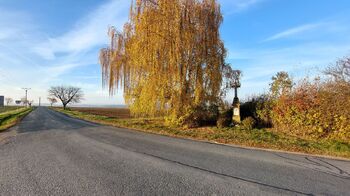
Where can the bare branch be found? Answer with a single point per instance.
(340, 71)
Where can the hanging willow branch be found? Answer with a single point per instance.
(168, 57)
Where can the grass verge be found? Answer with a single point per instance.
(260, 138)
(12, 117)
(9, 108)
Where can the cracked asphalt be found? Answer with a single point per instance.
(53, 154)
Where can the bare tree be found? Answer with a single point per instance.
(8, 100)
(52, 100)
(67, 94)
(340, 71)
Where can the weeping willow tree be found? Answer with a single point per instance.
(169, 58)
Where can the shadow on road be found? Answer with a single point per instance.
(317, 164)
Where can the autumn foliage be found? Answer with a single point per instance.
(169, 58)
(314, 109)
(318, 108)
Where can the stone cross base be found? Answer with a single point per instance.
(236, 112)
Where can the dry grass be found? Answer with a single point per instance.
(120, 113)
(8, 108)
(12, 117)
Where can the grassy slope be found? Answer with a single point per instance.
(8, 108)
(11, 116)
(254, 138)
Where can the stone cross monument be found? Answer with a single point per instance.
(236, 83)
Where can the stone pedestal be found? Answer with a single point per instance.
(236, 117)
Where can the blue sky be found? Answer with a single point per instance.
(54, 42)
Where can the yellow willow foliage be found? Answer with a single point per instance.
(169, 57)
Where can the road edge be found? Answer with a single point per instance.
(212, 142)
(11, 131)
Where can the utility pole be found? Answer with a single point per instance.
(26, 90)
(39, 101)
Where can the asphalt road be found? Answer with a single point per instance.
(53, 154)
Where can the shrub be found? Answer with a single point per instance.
(193, 117)
(224, 119)
(249, 123)
(314, 109)
(258, 107)
(311, 109)
(223, 122)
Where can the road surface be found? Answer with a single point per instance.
(53, 154)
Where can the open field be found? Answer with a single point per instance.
(120, 113)
(261, 138)
(11, 116)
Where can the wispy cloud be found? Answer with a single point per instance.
(235, 6)
(295, 30)
(259, 65)
(300, 58)
(88, 33)
(29, 57)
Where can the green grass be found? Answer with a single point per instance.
(10, 117)
(8, 108)
(261, 138)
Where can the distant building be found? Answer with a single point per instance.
(2, 100)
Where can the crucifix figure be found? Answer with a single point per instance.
(234, 82)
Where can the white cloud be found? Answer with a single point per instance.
(295, 30)
(259, 65)
(89, 32)
(52, 58)
(235, 6)
(29, 58)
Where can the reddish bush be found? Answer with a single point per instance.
(314, 109)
